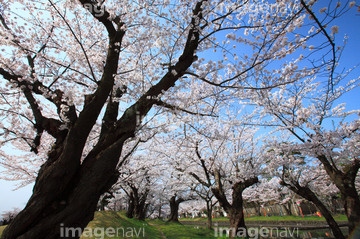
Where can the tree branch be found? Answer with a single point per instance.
(333, 61)
(173, 107)
(77, 40)
(111, 112)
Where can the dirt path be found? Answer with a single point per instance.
(162, 234)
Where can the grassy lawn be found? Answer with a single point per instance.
(178, 231)
(275, 218)
(149, 229)
(123, 227)
(295, 218)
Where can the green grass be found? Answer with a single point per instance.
(179, 231)
(2, 229)
(123, 227)
(200, 219)
(150, 229)
(275, 218)
(295, 218)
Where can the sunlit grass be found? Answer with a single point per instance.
(129, 227)
(123, 226)
(2, 229)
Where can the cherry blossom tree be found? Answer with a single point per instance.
(8, 216)
(305, 110)
(304, 177)
(222, 156)
(178, 190)
(312, 112)
(136, 181)
(78, 77)
(268, 191)
(203, 190)
(335, 148)
(140, 172)
(65, 182)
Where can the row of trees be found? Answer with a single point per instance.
(207, 98)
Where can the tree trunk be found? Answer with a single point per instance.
(209, 214)
(131, 207)
(329, 219)
(351, 202)
(236, 213)
(140, 211)
(68, 187)
(345, 182)
(234, 210)
(287, 207)
(237, 223)
(257, 209)
(65, 196)
(352, 209)
(174, 209)
(309, 195)
(159, 211)
(137, 204)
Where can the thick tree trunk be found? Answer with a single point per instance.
(63, 200)
(309, 195)
(236, 213)
(140, 211)
(235, 210)
(237, 222)
(351, 202)
(174, 209)
(143, 212)
(137, 204)
(345, 182)
(352, 209)
(67, 188)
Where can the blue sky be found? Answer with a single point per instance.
(13, 199)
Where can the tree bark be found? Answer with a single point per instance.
(131, 207)
(140, 209)
(309, 195)
(234, 210)
(352, 208)
(67, 188)
(174, 208)
(209, 214)
(257, 209)
(287, 207)
(345, 182)
(137, 204)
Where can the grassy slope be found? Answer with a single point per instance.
(170, 230)
(118, 220)
(2, 229)
(125, 227)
